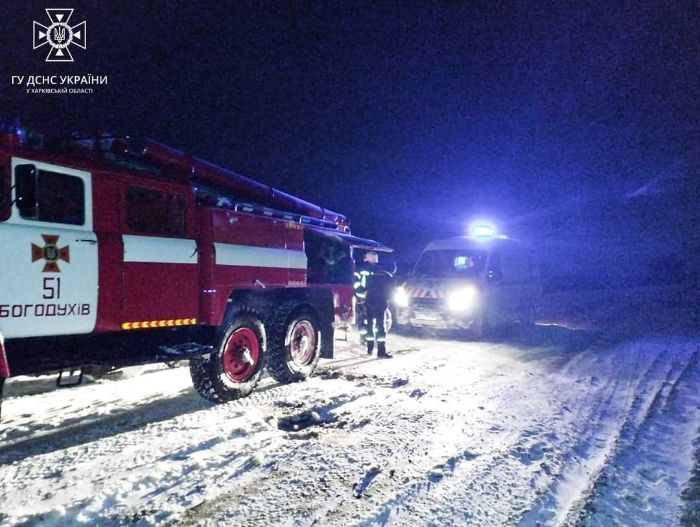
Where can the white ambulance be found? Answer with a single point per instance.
(479, 283)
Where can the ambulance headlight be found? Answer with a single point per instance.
(463, 299)
(401, 297)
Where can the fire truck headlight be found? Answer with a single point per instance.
(462, 299)
(401, 297)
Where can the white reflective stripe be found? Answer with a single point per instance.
(251, 256)
(153, 249)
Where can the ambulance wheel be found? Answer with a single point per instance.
(233, 370)
(479, 327)
(295, 357)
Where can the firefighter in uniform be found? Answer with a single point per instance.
(372, 286)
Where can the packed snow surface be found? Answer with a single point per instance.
(548, 426)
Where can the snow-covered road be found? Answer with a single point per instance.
(553, 426)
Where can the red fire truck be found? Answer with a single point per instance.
(117, 252)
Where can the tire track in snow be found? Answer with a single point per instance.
(626, 473)
(493, 469)
(413, 490)
(468, 471)
(486, 492)
(156, 483)
(80, 430)
(161, 413)
(573, 487)
(331, 497)
(578, 452)
(277, 470)
(411, 503)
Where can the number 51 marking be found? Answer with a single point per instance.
(52, 288)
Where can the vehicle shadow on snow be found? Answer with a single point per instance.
(536, 336)
(34, 386)
(44, 383)
(550, 335)
(43, 437)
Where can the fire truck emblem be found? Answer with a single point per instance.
(50, 253)
(59, 35)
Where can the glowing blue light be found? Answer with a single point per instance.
(482, 231)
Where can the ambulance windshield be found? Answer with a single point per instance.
(453, 263)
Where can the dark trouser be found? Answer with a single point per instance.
(372, 327)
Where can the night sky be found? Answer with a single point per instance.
(575, 124)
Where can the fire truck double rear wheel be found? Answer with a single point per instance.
(234, 369)
(296, 357)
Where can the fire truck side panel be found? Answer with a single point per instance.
(294, 239)
(247, 229)
(53, 264)
(160, 274)
(246, 252)
(109, 302)
(107, 202)
(108, 217)
(160, 279)
(212, 301)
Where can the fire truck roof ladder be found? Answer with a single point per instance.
(244, 189)
(214, 198)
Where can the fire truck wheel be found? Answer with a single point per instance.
(234, 369)
(296, 358)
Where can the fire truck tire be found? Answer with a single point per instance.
(294, 357)
(234, 369)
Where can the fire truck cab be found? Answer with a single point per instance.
(116, 252)
(476, 283)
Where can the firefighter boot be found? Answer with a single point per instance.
(381, 351)
(381, 341)
(369, 336)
